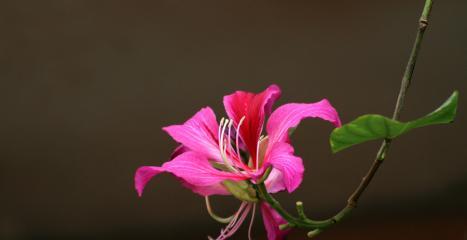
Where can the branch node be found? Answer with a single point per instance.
(423, 24)
(352, 203)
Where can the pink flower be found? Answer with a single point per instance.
(213, 154)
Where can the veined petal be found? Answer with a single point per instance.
(289, 116)
(143, 175)
(146, 173)
(193, 169)
(254, 107)
(281, 157)
(199, 133)
(274, 183)
(272, 220)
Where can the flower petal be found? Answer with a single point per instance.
(272, 220)
(143, 175)
(274, 183)
(146, 173)
(254, 107)
(289, 116)
(198, 134)
(281, 158)
(193, 169)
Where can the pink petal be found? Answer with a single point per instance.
(193, 169)
(254, 107)
(289, 116)
(272, 220)
(198, 134)
(146, 173)
(281, 158)
(274, 183)
(179, 150)
(143, 175)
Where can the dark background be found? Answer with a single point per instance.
(85, 87)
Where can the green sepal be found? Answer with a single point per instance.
(219, 166)
(372, 126)
(241, 190)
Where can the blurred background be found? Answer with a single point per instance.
(85, 87)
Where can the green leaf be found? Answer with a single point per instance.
(372, 126)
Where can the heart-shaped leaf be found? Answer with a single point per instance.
(372, 126)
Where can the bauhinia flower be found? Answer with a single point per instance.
(230, 156)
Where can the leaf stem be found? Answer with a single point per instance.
(317, 226)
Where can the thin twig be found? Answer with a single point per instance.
(406, 80)
(302, 221)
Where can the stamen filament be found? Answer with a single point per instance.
(219, 130)
(238, 158)
(251, 222)
(235, 224)
(230, 225)
(229, 143)
(215, 216)
(257, 151)
(257, 155)
(223, 144)
(237, 136)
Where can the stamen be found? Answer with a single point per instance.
(221, 138)
(231, 160)
(257, 155)
(241, 220)
(235, 224)
(257, 151)
(251, 222)
(222, 132)
(230, 225)
(215, 216)
(226, 160)
(229, 144)
(219, 130)
(223, 145)
(238, 134)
